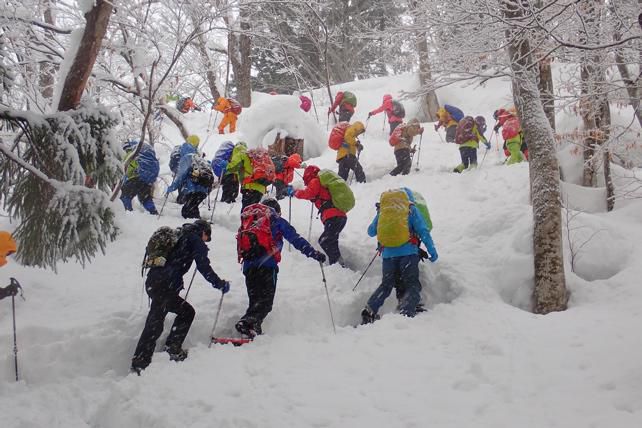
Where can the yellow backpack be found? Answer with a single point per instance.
(392, 228)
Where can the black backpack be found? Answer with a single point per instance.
(279, 162)
(160, 244)
(398, 110)
(201, 172)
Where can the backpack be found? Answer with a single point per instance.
(396, 136)
(466, 130)
(279, 162)
(235, 106)
(481, 124)
(262, 166)
(336, 135)
(511, 128)
(418, 200)
(393, 229)
(342, 196)
(398, 110)
(201, 172)
(148, 166)
(349, 98)
(160, 244)
(454, 112)
(222, 158)
(254, 238)
(174, 159)
(180, 103)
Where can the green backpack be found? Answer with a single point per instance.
(350, 98)
(421, 205)
(342, 196)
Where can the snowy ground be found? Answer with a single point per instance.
(476, 358)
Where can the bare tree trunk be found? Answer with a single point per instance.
(173, 115)
(239, 50)
(48, 69)
(545, 84)
(210, 70)
(608, 179)
(549, 293)
(76, 79)
(430, 103)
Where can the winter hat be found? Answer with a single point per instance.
(387, 97)
(204, 227)
(193, 140)
(272, 203)
(309, 173)
(7, 247)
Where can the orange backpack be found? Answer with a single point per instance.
(336, 135)
(262, 166)
(395, 137)
(235, 106)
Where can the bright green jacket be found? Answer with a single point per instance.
(241, 164)
(474, 143)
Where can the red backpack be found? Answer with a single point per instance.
(254, 238)
(235, 106)
(396, 136)
(336, 135)
(511, 128)
(262, 167)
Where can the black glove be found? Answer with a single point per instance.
(423, 254)
(224, 286)
(359, 146)
(10, 290)
(197, 108)
(496, 127)
(369, 115)
(319, 256)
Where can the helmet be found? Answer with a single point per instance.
(272, 203)
(193, 140)
(7, 246)
(204, 227)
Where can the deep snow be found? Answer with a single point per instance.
(476, 358)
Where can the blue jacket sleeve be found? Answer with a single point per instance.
(372, 229)
(203, 262)
(181, 174)
(420, 228)
(294, 238)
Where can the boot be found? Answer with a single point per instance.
(176, 353)
(246, 329)
(368, 317)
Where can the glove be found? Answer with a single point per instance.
(423, 254)
(224, 286)
(290, 190)
(436, 127)
(197, 108)
(359, 146)
(12, 290)
(319, 256)
(496, 127)
(369, 115)
(487, 144)
(330, 110)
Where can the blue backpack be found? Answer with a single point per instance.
(174, 159)
(455, 113)
(148, 165)
(222, 158)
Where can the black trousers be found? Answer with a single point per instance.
(192, 201)
(344, 114)
(329, 239)
(250, 197)
(261, 287)
(281, 189)
(230, 184)
(351, 163)
(164, 301)
(404, 162)
(468, 156)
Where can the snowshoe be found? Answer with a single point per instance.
(236, 341)
(247, 329)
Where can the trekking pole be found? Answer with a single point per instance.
(440, 137)
(327, 293)
(366, 270)
(290, 219)
(483, 158)
(366, 127)
(218, 312)
(351, 174)
(190, 283)
(421, 136)
(310, 226)
(218, 189)
(327, 123)
(15, 283)
(160, 213)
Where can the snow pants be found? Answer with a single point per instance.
(229, 118)
(351, 163)
(230, 184)
(250, 197)
(261, 288)
(468, 158)
(404, 162)
(402, 272)
(135, 187)
(192, 201)
(329, 239)
(164, 300)
(514, 148)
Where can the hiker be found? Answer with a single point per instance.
(260, 241)
(512, 134)
(228, 180)
(346, 101)
(394, 110)
(186, 104)
(284, 167)
(397, 225)
(140, 177)
(7, 247)
(401, 140)
(467, 138)
(194, 177)
(306, 103)
(230, 109)
(255, 171)
(333, 219)
(163, 285)
(448, 117)
(348, 150)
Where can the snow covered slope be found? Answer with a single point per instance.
(476, 358)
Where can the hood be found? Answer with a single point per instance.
(294, 161)
(387, 97)
(359, 127)
(193, 140)
(310, 172)
(7, 247)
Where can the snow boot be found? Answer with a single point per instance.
(246, 329)
(368, 317)
(137, 366)
(176, 353)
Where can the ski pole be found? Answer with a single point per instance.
(327, 293)
(190, 283)
(310, 226)
(160, 213)
(421, 136)
(290, 219)
(218, 189)
(327, 123)
(218, 312)
(366, 270)
(483, 158)
(440, 137)
(366, 127)
(15, 283)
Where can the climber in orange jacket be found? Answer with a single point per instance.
(228, 107)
